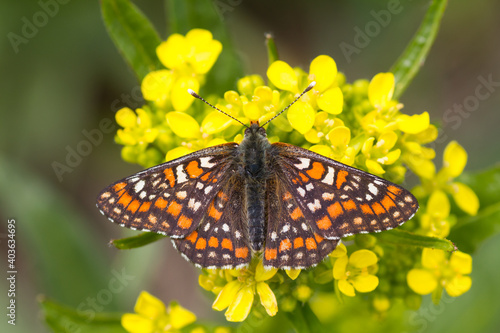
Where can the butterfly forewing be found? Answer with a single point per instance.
(338, 200)
(169, 198)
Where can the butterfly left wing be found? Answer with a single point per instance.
(170, 198)
(338, 200)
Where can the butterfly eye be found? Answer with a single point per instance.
(262, 131)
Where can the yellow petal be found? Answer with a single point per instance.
(301, 116)
(282, 76)
(465, 198)
(157, 85)
(125, 117)
(374, 167)
(251, 110)
(339, 251)
(240, 307)
(137, 324)
(363, 258)
(172, 53)
(323, 70)
(421, 166)
(177, 152)
(216, 142)
(331, 101)
(340, 136)
(215, 122)
(293, 273)
(454, 159)
(206, 50)
(438, 204)
(267, 298)
(421, 281)
(414, 124)
(381, 89)
(149, 306)
(312, 136)
(433, 258)
(262, 274)
(458, 285)
(180, 316)
(346, 288)
(247, 84)
(390, 158)
(339, 267)
(183, 125)
(181, 99)
(461, 262)
(322, 150)
(387, 140)
(365, 283)
(143, 118)
(226, 295)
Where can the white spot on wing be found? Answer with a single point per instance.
(139, 186)
(205, 162)
(309, 186)
(301, 191)
(181, 174)
(304, 163)
(181, 195)
(314, 206)
(208, 189)
(372, 188)
(225, 227)
(329, 176)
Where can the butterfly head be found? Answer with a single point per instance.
(255, 130)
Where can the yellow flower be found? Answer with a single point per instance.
(381, 89)
(152, 316)
(356, 272)
(440, 271)
(435, 221)
(380, 153)
(238, 295)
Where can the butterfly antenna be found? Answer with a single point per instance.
(309, 87)
(214, 107)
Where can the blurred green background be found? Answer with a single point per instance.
(67, 77)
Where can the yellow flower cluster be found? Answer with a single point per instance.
(358, 124)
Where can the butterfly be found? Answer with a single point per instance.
(225, 204)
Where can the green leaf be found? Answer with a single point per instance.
(304, 320)
(61, 318)
(184, 15)
(133, 35)
(272, 51)
(470, 231)
(136, 241)
(413, 57)
(402, 237)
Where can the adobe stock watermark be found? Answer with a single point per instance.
(363, 37)
(88, 308)
(225, 6)
(30, 26)
(420, 319)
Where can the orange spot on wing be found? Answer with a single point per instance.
(378, 209)
(213, 212)
(223, 196)
(134, 206)
(393, 189)
(125, 199)
(271, 254)
(317, 170)
(366, 209)
(349, 205)
(213, 242)
(161, 203)
(304, 177)
(324, 223)
(311, 244)
(120, 186)
(335, 210)
(318, 238)
(184, 222)
(193, 170)
(192, 237)
(387, 203)
(205, 176)
(298, 242)
(287, 196)
(241, 252)
(227, 244)
(285, 245)
(169, 175)
(201, 244)
(296, 214)
(145, 206)
(341, 178)
(174, 208)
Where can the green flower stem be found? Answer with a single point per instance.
(409, 63)
(133, 35)
(136, 241)
(304, 320)
(405, 238)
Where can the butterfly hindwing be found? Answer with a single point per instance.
(290, 240)
(167, 198)
(338, 200)
(221, 240)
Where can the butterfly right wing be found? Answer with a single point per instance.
(170, 198)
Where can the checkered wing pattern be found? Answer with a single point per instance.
(171, 198)
(291, 241)
(221, 241)
(336, 200)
